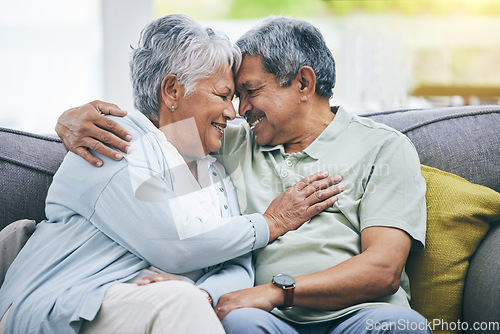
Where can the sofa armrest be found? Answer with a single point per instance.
(27, 165)
(482, 291)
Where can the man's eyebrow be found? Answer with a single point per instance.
(249, 84)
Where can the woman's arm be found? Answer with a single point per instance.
(150, 228)
(232, 275)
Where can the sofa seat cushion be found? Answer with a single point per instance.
(458, 217)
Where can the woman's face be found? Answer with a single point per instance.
(199, 119)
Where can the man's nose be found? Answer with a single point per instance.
(243, 107)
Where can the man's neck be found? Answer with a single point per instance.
(316, 121)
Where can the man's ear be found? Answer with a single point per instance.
(307, 81)
(170, 90)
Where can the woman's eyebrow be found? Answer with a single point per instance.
(225, 89)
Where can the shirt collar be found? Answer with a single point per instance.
(332, 131)
(161, 136)
(317, 147)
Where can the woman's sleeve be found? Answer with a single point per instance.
(232, 275)
(154, 226)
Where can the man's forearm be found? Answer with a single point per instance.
(374, 273)
(349, 283)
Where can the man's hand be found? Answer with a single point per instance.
(86, 127)
(301, 202)
(265, 297)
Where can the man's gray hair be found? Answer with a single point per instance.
(179, 45)
(285, 45)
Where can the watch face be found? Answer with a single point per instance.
(284, 280)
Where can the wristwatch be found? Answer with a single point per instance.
(287, 283)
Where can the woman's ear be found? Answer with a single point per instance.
(170, 90)
(307, 81)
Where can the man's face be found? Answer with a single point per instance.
(270, 110)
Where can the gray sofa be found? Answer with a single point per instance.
(462, 140)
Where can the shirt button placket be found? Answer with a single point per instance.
(286, 168)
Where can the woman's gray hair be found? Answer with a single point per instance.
(179, 45)
(285, 45)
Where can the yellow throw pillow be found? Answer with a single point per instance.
(458, 216)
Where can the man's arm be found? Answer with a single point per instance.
(374, 273)
(86, 127)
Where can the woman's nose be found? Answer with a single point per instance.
(229, 112)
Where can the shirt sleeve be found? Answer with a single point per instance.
(232, 275)
(394, 193)
(149, 228)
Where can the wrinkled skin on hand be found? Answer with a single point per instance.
(85, 127)
(301, 202)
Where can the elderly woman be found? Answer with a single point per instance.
(167, 206)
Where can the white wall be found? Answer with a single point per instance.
(57, 54)
(122, 22)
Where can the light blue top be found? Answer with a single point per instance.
(107, 224)
(381, 172)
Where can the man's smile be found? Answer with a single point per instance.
(254, 118)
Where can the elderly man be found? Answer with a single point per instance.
(343, 271)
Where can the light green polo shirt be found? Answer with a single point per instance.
(381, 172)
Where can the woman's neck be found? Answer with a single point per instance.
(193, 167)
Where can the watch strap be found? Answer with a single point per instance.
(288, 302)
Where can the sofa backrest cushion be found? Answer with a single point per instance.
(27, 164)
(461, 140)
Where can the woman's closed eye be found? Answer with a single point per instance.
(226, 97)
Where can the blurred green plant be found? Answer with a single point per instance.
(415, 7)
(241, 9)
(245, 9)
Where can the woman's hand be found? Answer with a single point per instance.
(157, 278)
(301, 202)
(86, 127)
